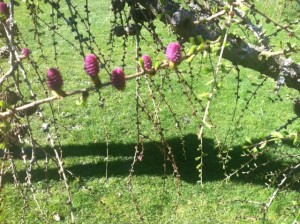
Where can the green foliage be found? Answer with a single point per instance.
(98, 144)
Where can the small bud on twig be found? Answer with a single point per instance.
(25, 53)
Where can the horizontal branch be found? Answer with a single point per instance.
(212, 17)
(13, 111)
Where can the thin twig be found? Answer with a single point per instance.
(286, 28)
(7, 74)
(214, 16)
(210, 97)
(131, 171)
(279, 187)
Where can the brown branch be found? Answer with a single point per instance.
(214, 16)
(73, 92)
(12, 111)
(9, 37)
(7, 74)
(237, 51)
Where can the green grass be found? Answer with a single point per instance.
(83, 132)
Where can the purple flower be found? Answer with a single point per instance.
(25, 53)
(4, 11)
(4, 8)
(92, 69)
(91, 65)
(147, 62)
(118, 78)
(54, 79)
(174, 52)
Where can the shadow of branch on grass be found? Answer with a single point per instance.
(121, 156)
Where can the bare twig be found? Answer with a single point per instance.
(214, 16)
(7, 74)
(211, 94)
(279, 187)
(210, 97)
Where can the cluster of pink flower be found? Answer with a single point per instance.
(92, 69)
(118, 80)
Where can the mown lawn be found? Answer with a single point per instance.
(98, 144)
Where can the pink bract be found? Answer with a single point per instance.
(25, 52)
(4, 8)
(118, 78)
(54, 79)
(91, 65)
(147, 62)
(174, 52)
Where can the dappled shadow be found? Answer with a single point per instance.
(121, 156)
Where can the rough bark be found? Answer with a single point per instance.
(238, 51)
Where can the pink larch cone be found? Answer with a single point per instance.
(25, 53)
(148, 64)
(92, 69)
(174, 54)
(4, 8)
(4, 11)
(118, 78)
(55, 81)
